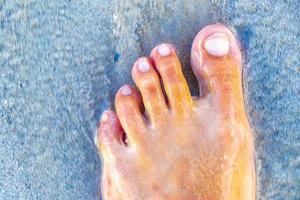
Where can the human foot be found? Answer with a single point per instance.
(185, 148)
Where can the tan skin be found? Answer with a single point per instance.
(186, 148)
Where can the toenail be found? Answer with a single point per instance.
(143, 65)
(126, 90)
(164, 50)
(217, 44)
(104, 117)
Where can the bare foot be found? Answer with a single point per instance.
(186, 148)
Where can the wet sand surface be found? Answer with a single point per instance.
(61, 63)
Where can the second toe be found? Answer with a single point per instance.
(167, 64)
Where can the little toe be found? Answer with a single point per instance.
(167, 64)
(217, 62)
(128, 107)
(109, 137)
(147, 80)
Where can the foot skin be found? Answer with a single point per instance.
(182, 148)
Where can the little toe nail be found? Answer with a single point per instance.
(163, 50)
(217, 44)
(126, 90)
(143, 65)
(104, 117)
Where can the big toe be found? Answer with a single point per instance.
(217, 63)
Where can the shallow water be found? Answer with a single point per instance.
(62, 61)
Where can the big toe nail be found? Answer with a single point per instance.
(217, 44)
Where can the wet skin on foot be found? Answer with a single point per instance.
(182, 148)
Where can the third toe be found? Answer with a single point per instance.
(147, 80)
